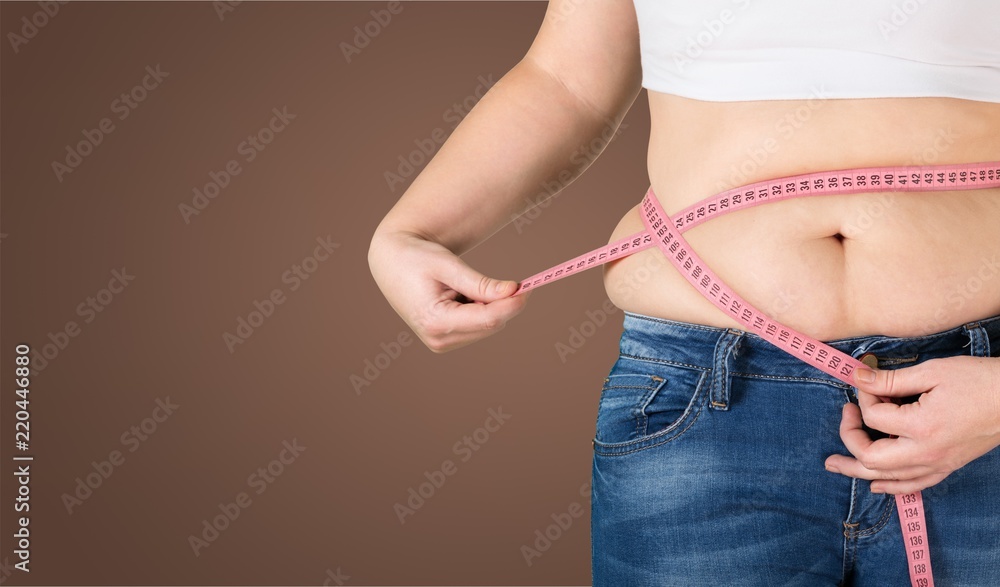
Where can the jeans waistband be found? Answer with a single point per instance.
(672, 341)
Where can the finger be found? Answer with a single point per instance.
(852, 467)
(881, 454)
(908, 485)
(885, 416)
(867, 400)
(452, 325)
(472, 284)
(896, 382)
(855, 438)
(457, 318)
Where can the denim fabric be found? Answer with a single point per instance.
(708, 468)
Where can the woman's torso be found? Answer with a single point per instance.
(908, 263)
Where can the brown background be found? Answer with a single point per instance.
(332, 507)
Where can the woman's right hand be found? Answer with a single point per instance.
(446, 303)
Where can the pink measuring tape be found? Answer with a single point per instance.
(665, 232)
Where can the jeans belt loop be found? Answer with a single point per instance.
(979, 337)
(726, 347)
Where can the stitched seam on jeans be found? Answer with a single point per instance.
(639, 441)
(611, 448)
(850, 539)
(644, 388)
(654, 390)
(663, 361)
(789, 378)
(881, 523)
(721, 373)
(851, 546)
(639, 449)
(642, 421)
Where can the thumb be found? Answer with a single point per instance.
(893, 383)
(476, 286)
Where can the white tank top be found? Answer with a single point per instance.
(733, 50)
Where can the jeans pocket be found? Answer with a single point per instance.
(644, 403)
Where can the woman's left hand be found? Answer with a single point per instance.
(955, 420)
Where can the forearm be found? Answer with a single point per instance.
(526, 132)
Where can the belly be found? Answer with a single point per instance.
(899, 264)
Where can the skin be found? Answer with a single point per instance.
(899, 264)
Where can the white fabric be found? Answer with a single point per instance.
(734, 50)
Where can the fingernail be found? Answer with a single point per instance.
(864, 375)
(501, 286)
(877, 489)
(832, 468)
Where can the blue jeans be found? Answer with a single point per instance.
(708, 468)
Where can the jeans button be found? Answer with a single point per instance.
(869, 359)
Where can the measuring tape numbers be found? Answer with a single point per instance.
(665, 232)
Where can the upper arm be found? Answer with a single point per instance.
(592, 48)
